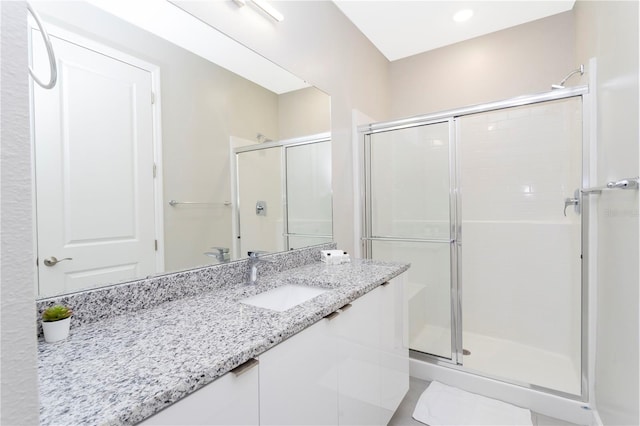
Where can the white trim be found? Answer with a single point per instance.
(541, 402)
(597, 421)
(234, 143)
(158, 182)
(359, 119)
(590, 112)
(34, 199)
(154, 70)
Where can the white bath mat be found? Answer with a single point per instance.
(442, 405)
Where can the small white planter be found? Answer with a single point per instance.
(55, 331)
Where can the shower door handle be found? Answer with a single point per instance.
(575, 201)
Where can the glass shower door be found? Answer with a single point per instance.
(260, 195)
(308, 194)
(521, 243)
(410, 210)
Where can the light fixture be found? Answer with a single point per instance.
(463, 15)
(268, 9)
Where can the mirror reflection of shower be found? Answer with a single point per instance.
(282, 194)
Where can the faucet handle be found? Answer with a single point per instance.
(221, 250)
(256, 253)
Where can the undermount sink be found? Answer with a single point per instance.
(283, 298)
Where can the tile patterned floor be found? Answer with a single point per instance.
(403, 415)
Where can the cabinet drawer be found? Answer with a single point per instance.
(230, 400)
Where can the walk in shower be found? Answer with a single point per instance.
(485, 203)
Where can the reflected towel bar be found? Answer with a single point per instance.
(174, 203)
(627, 183)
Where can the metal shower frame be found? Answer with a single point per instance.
(283, 144)
(455, 240)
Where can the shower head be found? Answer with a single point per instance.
(262, 138)
(561, 85)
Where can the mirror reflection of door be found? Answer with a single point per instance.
(93, 135)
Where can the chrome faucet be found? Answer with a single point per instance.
(221, 254)
(254, 260)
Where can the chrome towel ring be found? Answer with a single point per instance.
(52, 58)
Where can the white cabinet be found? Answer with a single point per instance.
(394, 354)
(230, 400)
(298, 379)
(373, 372)
(351, 368)
(358, 369)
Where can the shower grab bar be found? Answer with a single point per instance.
(174, 203)
(627, 183)
(408, 240)
(307, 235)
(53, 77)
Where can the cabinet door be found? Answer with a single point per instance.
(230, 400)
(359, 383)
(298, 379)
(394, 353)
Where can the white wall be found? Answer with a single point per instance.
(608, 30)
(18, 369)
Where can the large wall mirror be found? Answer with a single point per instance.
(147, 149)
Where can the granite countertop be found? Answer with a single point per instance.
(121, 370)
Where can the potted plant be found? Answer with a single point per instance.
(56, 321)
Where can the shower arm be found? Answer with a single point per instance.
(561, 85)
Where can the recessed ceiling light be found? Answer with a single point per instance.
(463, 15)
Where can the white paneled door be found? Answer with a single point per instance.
(94, 170)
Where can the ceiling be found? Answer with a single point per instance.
(401, 28)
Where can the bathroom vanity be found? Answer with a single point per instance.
(212, 358)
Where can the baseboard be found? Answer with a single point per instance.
(549, 405)
(597, 421)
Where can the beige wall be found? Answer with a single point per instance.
(314, 118)
(516, 61)
(608, 31)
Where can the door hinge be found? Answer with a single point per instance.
(155, 170)
(153, 98)
(156, 244)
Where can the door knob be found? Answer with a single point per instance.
(53, 261)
